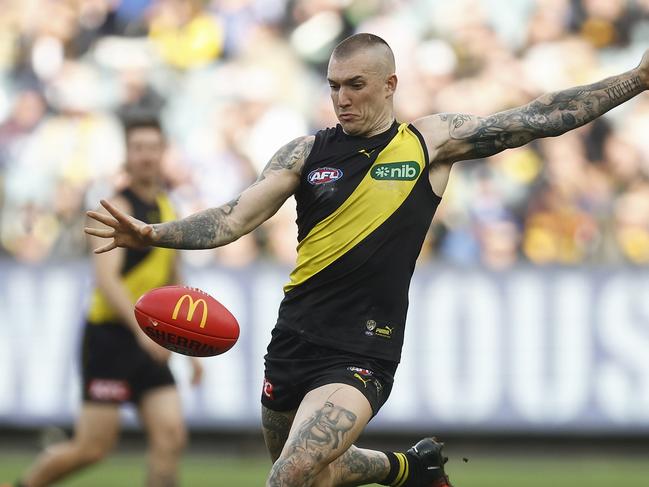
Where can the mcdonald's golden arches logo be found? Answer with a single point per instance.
(192, 308)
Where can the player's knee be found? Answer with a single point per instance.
(170, 438)
(89, 454)
(297, 470)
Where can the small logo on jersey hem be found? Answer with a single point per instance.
(324, 175)
(396, 171)
(371, 329)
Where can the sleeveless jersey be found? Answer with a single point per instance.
(364, 206)
(143, 269)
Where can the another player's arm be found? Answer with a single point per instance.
(456, 136)
(108, 277)
(219, 226)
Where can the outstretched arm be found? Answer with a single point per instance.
(213, 227)
(455, 136)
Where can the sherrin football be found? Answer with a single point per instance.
(187, 320)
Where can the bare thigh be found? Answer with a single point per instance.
(161, 413)
(97, 428)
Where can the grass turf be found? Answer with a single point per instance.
(121, 470)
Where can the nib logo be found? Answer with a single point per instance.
(396, 171)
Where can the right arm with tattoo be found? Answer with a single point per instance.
(213, 227)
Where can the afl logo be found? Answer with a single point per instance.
(324, 175)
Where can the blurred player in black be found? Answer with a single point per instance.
(366, 192)
(119, 362)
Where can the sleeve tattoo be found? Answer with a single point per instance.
(548, 116)
(214, 227)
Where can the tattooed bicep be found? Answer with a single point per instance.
(460, 125)
(291, 156)
(470, 136)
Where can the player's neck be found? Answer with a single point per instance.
(145, 190)
(381, 127)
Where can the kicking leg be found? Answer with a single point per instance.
(96, 432)
(421, 466)
(329, 419)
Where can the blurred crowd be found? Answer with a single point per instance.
(233, 80)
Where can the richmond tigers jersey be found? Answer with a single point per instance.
(364, 206)
(143, 269)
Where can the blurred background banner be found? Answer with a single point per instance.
(528, 350)
(529, 306)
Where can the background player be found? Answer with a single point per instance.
(310, 428)
(119, 362)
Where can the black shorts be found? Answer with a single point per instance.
(294, 366)
(115, 368)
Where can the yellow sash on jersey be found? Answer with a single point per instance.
(373, 201)
(155, 270)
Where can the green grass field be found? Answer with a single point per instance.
(197, 471)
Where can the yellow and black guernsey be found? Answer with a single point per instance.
(364, 206)
(143, 269)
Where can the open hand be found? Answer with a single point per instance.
(125, 230)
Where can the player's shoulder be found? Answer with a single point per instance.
(294, 154)
(432, 125)
(438, 131)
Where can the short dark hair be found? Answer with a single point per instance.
(134, 123)
(355, 42)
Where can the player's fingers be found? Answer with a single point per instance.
(117, 214)
(106, 248)
(99, 232)
(102, 218)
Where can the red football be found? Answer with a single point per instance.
(187, 320)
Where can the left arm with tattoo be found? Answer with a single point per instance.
(453, 136)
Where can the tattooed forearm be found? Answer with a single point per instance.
(203, 230)
(624, 88)
(289, 157)
(549, 115)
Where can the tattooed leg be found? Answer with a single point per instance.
(358, 466)
(328, 421)
(276, 426)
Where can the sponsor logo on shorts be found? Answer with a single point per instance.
(364, 375)
(109, 390)
(361, 371)
(396, 171)
(267, 389)
(324, 175)
(362, 379)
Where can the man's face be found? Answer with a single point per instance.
(144, 150)
(361, 91)
(329, 425)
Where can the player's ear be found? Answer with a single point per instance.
(391, 85)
